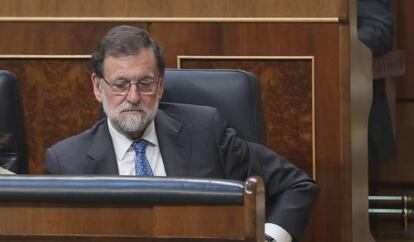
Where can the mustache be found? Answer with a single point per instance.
(126, 106)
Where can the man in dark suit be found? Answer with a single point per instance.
(144, 137)
(376, 31)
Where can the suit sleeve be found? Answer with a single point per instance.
(51, 163)
(375, 25)
(290, 193)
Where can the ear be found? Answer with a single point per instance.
(96, 88)
(161, 87)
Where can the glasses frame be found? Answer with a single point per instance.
(130, 83)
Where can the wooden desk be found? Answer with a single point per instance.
(52, 208)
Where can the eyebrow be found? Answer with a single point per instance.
(126, 79)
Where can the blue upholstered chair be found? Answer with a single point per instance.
(13, 151)
(235, 93)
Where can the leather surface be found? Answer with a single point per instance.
(235, 93)
(149, 190)
(13, 145)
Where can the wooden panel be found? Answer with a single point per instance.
(20, 238)
(199, 221)
(287, 102)
(57, 100)
(53, 38)
(400, 169)
(405, 36)
(108, 239)
(174, 38)
(178, 8)
(395, 177)
(76, 219)
(37, 222)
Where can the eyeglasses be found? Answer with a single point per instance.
(147, 86)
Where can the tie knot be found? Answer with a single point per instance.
(140, 146)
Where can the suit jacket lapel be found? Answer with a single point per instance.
(174, 145)
(102, 155)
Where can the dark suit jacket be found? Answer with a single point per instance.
(375, 25)
(376, 30)
(195, 142)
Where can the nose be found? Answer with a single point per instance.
(133, 95)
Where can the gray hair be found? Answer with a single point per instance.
(125, 40)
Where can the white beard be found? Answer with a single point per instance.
(132, 125)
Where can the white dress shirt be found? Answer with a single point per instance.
(5, 171)
(277, 233)
(125, 157)
(125, 154)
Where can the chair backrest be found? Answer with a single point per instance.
(13, 151)
(235, 93)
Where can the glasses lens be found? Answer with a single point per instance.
(146, 86)
(120, 86)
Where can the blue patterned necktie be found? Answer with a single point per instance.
(142, 166)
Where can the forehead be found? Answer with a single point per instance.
(142, 61)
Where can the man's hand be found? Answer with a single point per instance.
(4, 138)
(269, 239)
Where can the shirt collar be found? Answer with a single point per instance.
(122, 143)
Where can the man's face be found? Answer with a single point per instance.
(132, 112)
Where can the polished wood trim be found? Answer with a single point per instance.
(45, 56)
(312, 58)
(254, 207)
(171, 19)
(313, 120)
(237, 57)
(176, 8)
